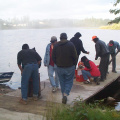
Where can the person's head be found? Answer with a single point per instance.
(83, 59)
(111, 43)
(77, 35)
(63, 36)
(95, 39)
(25, 46)
(53, 39)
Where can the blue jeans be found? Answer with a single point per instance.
(66, 76)
(54, 81)
(86, 74)
(30, 70)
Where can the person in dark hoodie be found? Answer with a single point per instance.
(78, 44)
(90, 70)
(102, 52)
(64, 56)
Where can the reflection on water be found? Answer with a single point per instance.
(117, 107)
(11, 42)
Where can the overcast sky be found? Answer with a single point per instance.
(55, 9)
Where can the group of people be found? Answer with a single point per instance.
(61, 58)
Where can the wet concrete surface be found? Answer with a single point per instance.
(10, 100)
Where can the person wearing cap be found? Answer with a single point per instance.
(65, 57)
(112, 46)
(102, 52)
(50, 64)
(78, 44)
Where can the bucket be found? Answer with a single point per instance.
(30, 88)
(79, 78)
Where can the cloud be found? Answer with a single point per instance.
(45, 9)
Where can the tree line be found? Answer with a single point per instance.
(25, 22)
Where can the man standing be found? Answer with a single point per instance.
(112, 46)
(78, 44)
(29, 59)
(102, 52)
(50, 64)
(65, 57)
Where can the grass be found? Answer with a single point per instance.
(81, 111)
(113, 27)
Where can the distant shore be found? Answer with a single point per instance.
(112, 27)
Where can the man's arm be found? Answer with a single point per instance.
(39, 63)
(46, 55)
(54, 54)
(20, 67)
(19, 62)
(38, 58)
(118, 46)
(97, 48)
(74, 54)
(82, 48)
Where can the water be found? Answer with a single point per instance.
(12, 41)
(117, 107)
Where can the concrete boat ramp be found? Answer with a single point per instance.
(10, 101)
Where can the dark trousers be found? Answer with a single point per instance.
(103, 66)
(113, 62)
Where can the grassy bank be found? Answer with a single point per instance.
(82, 111)
(113, 27)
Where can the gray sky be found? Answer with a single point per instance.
(55, 9)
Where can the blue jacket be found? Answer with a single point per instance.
(47, 55)
(116, 46)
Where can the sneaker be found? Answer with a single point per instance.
(24, 102)
(96, 79)
(114, 71)
(97, 82)
(87, 82)
(64, 99)
(57, 88)
(102, 79)
(53, 89)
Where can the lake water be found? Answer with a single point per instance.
(11, 42)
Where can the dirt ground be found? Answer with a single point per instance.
(5, 89)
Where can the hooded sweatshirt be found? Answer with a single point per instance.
(78, 45)
(64, 54)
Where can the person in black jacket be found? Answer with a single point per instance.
(102, 52)
(64, 56)
(78, 44)
(30, 60)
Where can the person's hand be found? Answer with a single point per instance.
(88, 52)
(21, 72)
